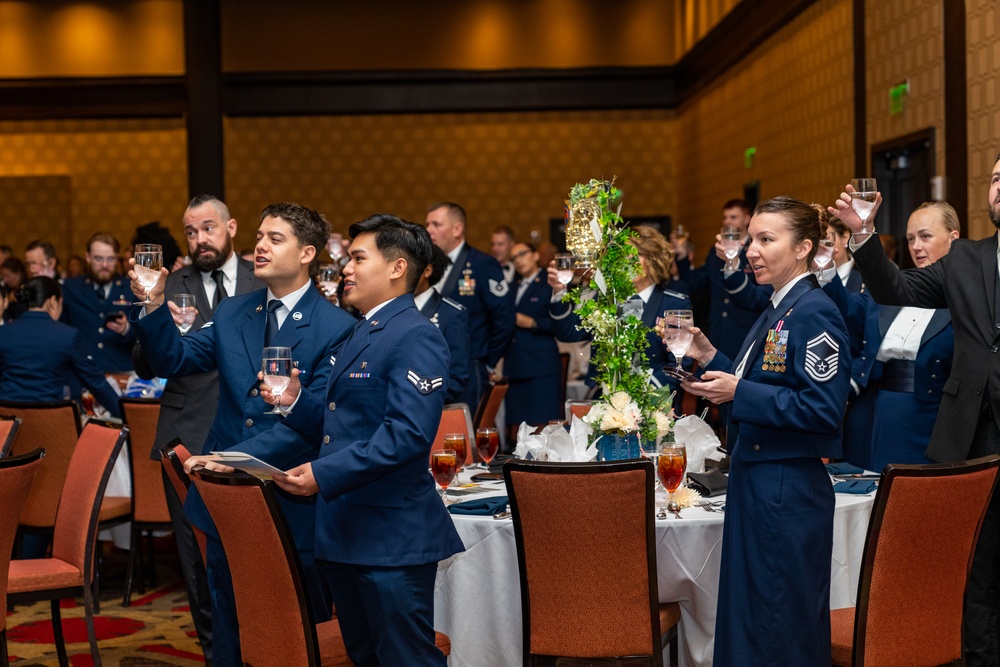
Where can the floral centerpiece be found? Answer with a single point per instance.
(632, 408)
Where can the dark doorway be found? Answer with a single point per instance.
(903, 168)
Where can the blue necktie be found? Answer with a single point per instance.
(272, 321)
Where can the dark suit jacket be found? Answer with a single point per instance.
(964, 282)
(233, 343)
(189, 402)
(382, 407)
(452, 320)
(85, 309)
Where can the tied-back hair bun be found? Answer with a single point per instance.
(36, 291)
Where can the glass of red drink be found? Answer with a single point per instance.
(670, 467)
(444, 467)
(487, 444)
(460, 444)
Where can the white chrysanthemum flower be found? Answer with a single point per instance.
(685, 496)
(620, 400)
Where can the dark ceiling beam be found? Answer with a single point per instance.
(956, 112)
(122, 97)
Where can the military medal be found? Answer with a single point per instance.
(467, 284)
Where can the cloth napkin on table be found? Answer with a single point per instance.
(843, 468)
(480, 506)
(700, 441)
(855, 486)
(713, 482)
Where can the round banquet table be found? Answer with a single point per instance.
(477, 600)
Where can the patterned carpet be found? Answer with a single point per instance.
(155, 630)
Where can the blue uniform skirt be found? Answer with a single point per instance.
(774, 590)
(902, 428)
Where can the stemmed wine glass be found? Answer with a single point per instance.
(444, 467)
(732, 244)
(277, 374)
(148, 262)
(459, 444)
(487, 444)
(328, 274)
(823, 257)
(677, 334)
(670, 467)
(564, 267)
(863, 199)
(185, 303)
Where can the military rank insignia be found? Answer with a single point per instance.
(467, 284)
(775, 349)
(822, 357)
(499, 288)
(423, 385)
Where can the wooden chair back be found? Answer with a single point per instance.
(489, 405)
(54, 427)
(16, 474)
(577, 409)
(276, 626)
(455, 418)
(586, 553)
(8, 431)
(149, 504)
(916, 562)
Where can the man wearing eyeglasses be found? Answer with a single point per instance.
(96, 305)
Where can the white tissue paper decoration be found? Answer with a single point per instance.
(700, 441)
(554, 443)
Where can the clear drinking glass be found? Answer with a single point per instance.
(185, 302)
(863, 199)
(677, 334)
(732, 244)
(148, 262)
(328, 275)
(564, 267)
(277, 374)
(487, 444)
(460, 444)
(824, 256)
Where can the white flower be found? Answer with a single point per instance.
(614, 420)
(685, 496)
(620, 400)
(663, 423)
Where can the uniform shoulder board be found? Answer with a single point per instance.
(676, 295)
(453, 304)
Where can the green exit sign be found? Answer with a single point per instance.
(897, 98)
(748, 156)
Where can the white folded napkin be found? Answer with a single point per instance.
(554, 443)
(700, 441)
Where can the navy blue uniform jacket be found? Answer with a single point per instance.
(798, 412)
(37, 354)
(85, 309)
(233, 343)
(452, 320)
(378, 504)
(533, 352)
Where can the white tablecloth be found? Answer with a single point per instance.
(477, 600)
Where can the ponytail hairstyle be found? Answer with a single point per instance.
(805, 221)
(36, 291)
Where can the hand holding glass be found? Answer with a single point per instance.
(328, 274)
(863, 199)
(732, 244)
(277, 374)
(185, 303)
(148, 262)
(444, 467)
(564, 267)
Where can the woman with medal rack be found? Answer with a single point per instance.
(787, 391)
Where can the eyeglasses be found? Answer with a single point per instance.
(519, 255)
(103, 260)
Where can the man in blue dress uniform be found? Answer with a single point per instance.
(290, 313)
(380, 526)
(96, 305)
(475, 280)
(451, 318)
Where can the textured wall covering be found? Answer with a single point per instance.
(983, 63)
(793, 101)
(122, 173)
(504, 168)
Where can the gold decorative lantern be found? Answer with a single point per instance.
(583, 232)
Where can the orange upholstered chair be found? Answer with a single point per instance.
(578, 409)
(54, 427)
(16, 474)
(172, 456)
(586, 555)
(69, 572)
(921, 537)
(276, 626)
(149, 503)
(455, 418)
(489, 405)
(8, 431)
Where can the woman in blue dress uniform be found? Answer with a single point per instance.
(37, 353)
(787, 390)
(532, 363)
